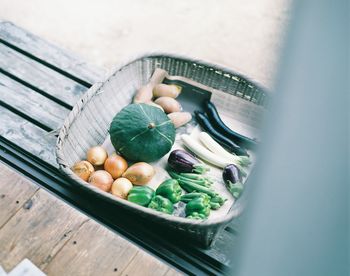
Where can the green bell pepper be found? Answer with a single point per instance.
(190, 196)
(141, 195)
(215, 202)
(161, 204)
(170, 189)
(198, 208)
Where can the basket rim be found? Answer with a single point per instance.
(88, 96)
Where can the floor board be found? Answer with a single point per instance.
(60, 240)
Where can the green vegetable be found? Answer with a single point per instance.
(141, 132)
(216, 148)
(235, 189)
(198, 208)
(141, 195)
(200, 181)
(189, 186)
(215, 202)
(197, 177)
(190, 196)
(170, 189)
(161, 204)
(205, 154)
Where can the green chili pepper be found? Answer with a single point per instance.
(170, 189)
(161, 204)
(141, 195)
(195, 176)
(189, 186)
(198, 208)
(196, 179)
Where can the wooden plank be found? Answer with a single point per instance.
(144, 264)
(28, 136)
(50, 53)
(39, 76)
(14, 193)
(38, 231)
(62, 241)
(31, 103)
(94, 250)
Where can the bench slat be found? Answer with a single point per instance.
(28, 136)
(49, 53)
(48, 81)
(39, 108)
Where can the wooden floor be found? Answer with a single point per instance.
(60, 240)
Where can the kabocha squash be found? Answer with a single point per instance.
(141, 132)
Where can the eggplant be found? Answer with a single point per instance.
(204, 122)
(232, 173)
(215, 119)
(184, 162)
(233, 180)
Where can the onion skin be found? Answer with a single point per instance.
(115, 165)
(140, 173)
(121, 187)
(102, 180)
(97, 155)
(83, 169)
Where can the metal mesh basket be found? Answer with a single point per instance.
(88, 123)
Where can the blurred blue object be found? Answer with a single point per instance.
(297, 218)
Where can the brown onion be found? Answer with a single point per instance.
(102, 180)
(83, 169)
(121, 187)
(115, 165)
(140, 173)
(97, 155)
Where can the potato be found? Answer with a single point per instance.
(165, 90)
(168, 104)
(180, 118)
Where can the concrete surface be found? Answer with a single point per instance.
(243, 35)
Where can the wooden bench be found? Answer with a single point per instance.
(39, 84)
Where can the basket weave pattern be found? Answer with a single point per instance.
(88, 123)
